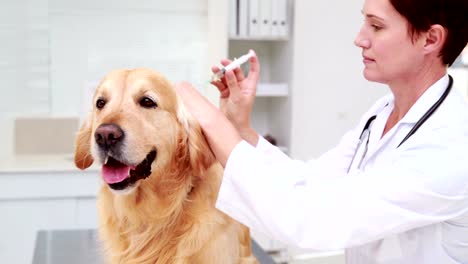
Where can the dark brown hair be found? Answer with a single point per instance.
(451, 14)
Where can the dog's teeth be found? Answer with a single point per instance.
(107, 159)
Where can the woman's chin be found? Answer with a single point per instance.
(372, 76)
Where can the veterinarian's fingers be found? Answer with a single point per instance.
(221, 88)
(237, 71)
(233, 85)
(219, 84)
(225, 62)
(215, 69)
(239, 74)
(254, 72)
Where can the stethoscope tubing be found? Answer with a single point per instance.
(418, 124)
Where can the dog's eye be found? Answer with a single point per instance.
(100, 103)
(147, 103)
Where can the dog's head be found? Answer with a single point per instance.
(141, 133)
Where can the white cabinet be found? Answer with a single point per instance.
(21, 219)
(42, 194)
(271, 112)
(272, 108)
(86, 212)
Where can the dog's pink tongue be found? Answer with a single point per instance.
(114, 175)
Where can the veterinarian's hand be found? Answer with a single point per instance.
(237, 96)
(222, 136)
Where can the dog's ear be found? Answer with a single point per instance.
(83, 158)
(201, 156)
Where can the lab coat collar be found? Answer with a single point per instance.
(427, 99)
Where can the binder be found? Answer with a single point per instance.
(243, 7)
(275, 9)
(279, 13)
(254, 15)
(232, 10)
(265, 18)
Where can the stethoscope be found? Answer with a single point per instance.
(366, 130)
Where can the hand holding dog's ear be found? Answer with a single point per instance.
(219, 131)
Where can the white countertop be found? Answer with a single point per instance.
(46, 177)
(41, 163)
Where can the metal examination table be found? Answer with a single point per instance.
(81, 247)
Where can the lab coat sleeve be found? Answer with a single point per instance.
(268, 149)
(288, 201)
(335, 162)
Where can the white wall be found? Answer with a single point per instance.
(89, 39)
(24, 57)
(51, 50)
(24, 71)
(329, 93)
(54, 52)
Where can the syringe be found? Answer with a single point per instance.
(233, 65)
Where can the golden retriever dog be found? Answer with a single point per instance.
(160, 179)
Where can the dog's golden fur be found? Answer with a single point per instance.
(168, 217)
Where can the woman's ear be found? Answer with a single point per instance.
(201, 156)
(83, 158)
(435, 39)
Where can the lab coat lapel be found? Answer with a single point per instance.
(376, 141)
(393, 137)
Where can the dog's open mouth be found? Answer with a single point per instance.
(119, 175)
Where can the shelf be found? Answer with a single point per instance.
(259, 38)
(272, 90)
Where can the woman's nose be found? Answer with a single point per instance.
(361, 40)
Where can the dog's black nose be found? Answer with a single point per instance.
(108, 135)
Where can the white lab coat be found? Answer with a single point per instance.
(405, 205)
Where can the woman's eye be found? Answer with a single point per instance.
(100, 103)
(375, 27)
(147, 103)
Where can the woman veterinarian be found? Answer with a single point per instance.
(395, 188)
